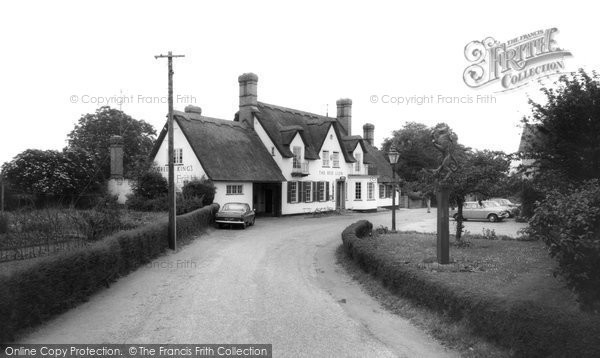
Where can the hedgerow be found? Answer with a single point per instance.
(526, 328)
(43, 287)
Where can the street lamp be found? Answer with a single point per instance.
(393, 155)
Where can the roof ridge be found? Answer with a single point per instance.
(294, 111)
(212, 120)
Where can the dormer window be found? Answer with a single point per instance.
(336, 159)
(297, 156)
(357, 164)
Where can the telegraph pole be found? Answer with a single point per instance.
(1, 194)
(171, 197)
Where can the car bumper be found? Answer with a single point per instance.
(222, 221)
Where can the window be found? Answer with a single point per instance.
(357, 191)
(357, 164)
(307, 191)
(388, 191)
(370, 191)
(297, 156)
(325, 158)
(321, 190)
(293, 192)
(234, 189)
(336, 159)
(381, 191)
(178, 156)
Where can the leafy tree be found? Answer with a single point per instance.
(413, 143)
(66, 174)
(93, 131)
(567, 128)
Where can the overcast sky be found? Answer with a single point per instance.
(57, 55)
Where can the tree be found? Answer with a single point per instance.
(413, 143)
(567, 127)
(66, 174)
(93, 131)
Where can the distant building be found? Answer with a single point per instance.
(279, 160)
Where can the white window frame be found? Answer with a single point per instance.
(381, 191)
(358, 157)
(308, 194)
(297, 160)
(370, 191)
(325, 158)
(234, 189)
(358, 190)
(336, 159)
(321, 191)
(177, 156)
(294, 191)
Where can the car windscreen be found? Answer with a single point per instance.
(234, 207)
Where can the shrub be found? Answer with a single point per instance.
(526, 328)
(151, 185)
(569, 223)
(200, 188)
(46, 286)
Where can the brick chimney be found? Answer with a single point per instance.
(368, 133)
(344, 114)
(248, 98)
(116, 157)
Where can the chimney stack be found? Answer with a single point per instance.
(368, 133)
(248, 98)
(193, 109)
(344, 114)
(116, 157)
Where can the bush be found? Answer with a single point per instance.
(4, 223)
(526, 328)
(46, 286)
(150, 185)
(569, 223)
(200, 188)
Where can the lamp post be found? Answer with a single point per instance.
(393, 156)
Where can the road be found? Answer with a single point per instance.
(276, 282)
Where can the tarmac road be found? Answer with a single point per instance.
(275, 282)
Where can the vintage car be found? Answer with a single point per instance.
(235, 214)
(485, 210)
(512, 208)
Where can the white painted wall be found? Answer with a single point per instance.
(191, 167)
(121, 188)
(221, 196)
(317, 172)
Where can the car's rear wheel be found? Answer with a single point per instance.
(493, 218)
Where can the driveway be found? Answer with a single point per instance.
(275, 282)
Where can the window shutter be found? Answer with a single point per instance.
(301, 192)
(326, 191)
(315, 189)
(289, 192)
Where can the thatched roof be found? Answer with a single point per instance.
(282, 124)
(226, 150)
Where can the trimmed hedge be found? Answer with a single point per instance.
(526, 328)
(47, 286)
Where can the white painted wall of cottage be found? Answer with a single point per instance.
(221, 196)
(191, 167)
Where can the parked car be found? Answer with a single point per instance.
(487, 210)
(235, 214)
(513, 209)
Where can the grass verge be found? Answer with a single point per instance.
(486, 295)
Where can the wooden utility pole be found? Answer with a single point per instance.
(171, 197)
(1, 194)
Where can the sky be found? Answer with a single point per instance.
(61, 59)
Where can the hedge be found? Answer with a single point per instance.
(527, 328)
(47, 286)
